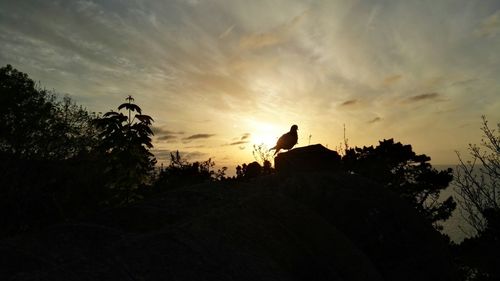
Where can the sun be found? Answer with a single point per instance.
(264, 133)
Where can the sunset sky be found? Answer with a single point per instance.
(219, 76)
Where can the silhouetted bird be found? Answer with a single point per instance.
(287, 141)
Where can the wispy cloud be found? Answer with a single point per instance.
(226, 32)
(163, 134)
(390, 80)
(163, 131)
(375, 120)
(275, 36)
(238, 142)
(490, 26)
(349, 102)
(198, 136)
(422, 97)
(166, 137)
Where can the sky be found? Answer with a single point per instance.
(221, 76)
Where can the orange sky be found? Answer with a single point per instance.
(220, 76)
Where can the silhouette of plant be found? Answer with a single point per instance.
(477, 186)
(48, 172)
(126, 142)
(35, 125)
(397, 167)
(251, 170)
(181, 172)
(261, 153)
(343, 146)
(477, 181)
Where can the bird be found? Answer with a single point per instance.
(287, 141)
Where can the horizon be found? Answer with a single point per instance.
(221, 76)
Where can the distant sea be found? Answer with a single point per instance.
(455, 227)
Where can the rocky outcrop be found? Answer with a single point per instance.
(307, 159)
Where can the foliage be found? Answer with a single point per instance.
(477, 181)
(410, 175)
(343, 146)
(478, 195)
(46, 172)
(37, 193)
(35, 125)
(125, 140)
(181, 172)
(249, 171)
(263, 156)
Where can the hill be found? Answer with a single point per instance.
(306, 226)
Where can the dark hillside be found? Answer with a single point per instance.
(313, 226)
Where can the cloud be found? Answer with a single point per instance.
(349, 102)
(390, 80)
(194, 146)
(226, 32)
(238, 142)
(426, 96)
(166, 137)
(162, 131)
(278, 35)
(464, 82)
(490, 26)
(198, 136)
(164, 134)
(374, 120)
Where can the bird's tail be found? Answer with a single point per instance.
(276, 150)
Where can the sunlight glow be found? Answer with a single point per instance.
(264, 133)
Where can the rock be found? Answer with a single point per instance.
(308, 158)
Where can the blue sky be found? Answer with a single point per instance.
(219, 76)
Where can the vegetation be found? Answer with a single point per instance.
(401, 170)
(124, 141)
(477, 180)
(35, 125)
(181, 172)
(59, 162)
(478, 194)
(46, 174)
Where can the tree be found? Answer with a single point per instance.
(35, 125)
(477, 181)
(181, 172)
(477, 186)
(252, 170)
(410, 175)
(126, 142)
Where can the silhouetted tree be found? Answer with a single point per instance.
(250, 171)
(477, 181)
(181, 172)
(397, 167)
(477, 186)
(44, 177)
(35, 125)
(125, 141)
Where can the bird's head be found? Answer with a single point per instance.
(294, 128)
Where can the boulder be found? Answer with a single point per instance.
(306, 159)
